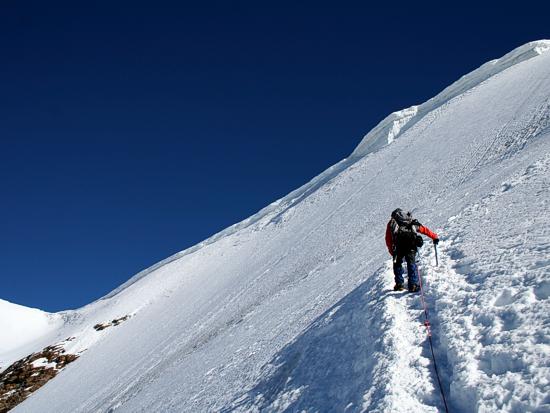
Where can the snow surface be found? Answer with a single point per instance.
(398, 122)
(43, 362)
(20, 326)
(292, 309)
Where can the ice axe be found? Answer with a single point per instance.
(435, 248)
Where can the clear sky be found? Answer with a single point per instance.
(131, 130)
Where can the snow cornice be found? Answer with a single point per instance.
(399, 122)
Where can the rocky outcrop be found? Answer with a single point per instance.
(115, 322)
(27, 375)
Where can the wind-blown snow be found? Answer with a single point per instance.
(292, 309)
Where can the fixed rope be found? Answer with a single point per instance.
(429, 333)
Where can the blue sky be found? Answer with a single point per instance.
(131, 130)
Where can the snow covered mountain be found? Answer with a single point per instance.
(292, 309)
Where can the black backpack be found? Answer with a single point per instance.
(403, 231)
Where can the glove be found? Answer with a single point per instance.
(436, 241)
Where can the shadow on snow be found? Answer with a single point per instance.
(332, 365)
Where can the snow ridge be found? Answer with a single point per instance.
(390, 128)
(399, 122)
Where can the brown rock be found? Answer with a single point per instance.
(20, 379)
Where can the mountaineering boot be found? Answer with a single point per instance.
(414, 288)
(398, 287)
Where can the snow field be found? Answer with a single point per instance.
(363, 354)
(404, 361)
(491, 297)
(292, 310)
(20, 326)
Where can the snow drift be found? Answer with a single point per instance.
(292, 309)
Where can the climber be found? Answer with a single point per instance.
(402, 240)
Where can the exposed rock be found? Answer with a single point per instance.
(102, 326)
(115, 322)
(27, 375)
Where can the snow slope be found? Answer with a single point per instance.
(292, 309)
(398, 122)
(20, 326)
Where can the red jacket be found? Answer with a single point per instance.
(419, 228)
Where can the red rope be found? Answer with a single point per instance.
(429, 333)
